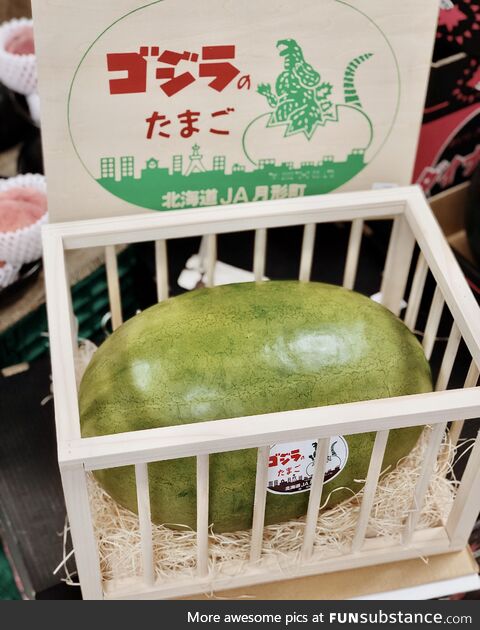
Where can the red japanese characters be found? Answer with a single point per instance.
(187, 120)
(215, 64)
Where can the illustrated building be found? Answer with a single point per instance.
(107, 168)
(152, 163)
(177, 164)
(266, 162)
(153, 171)
(356, 157)
(127, 165)
(219, 163)
(156, 180)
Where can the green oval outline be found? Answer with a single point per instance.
(397, 107)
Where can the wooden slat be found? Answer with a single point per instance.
(433, 322)
(259, 254)
(74, 325)
(455, 431)
(473, 375)
(353, 252)
(151, 445)
(428, 466)
(375, 552)
(113, 286)
(374, 470)
(63, 343)
(457, 425)
(314, 501)
(75, 489)
(397, 265)
(259, 503)
(62, 339)
(161, 269)
(445, 269)
(145, 522)
(465, 507)
(151, 226)
(308, 245)
(448, 358)
(416, 292)
(202, 514)
(202, 256)
(211, 259)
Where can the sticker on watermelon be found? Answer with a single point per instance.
(290, 465)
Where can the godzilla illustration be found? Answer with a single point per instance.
(332, 470)
(302, 100)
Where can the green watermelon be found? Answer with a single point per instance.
(244, 349)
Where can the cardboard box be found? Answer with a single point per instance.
(458, 27)
(454, 84)
(449, 143)
(448, 151)
(449, 208)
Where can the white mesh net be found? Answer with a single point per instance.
(33, 101)
(8, 274)
(24, 245)
(17, 72)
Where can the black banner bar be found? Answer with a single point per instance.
(245, 614)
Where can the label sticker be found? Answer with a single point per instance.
(290, 466)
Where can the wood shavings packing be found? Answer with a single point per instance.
(118, 535)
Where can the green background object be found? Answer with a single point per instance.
(8, 590)
(27, 340)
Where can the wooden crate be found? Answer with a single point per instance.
(413, 224)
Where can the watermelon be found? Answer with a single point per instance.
(245, 349)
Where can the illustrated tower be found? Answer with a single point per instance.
(196, 165)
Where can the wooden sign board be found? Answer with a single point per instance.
(183, 104)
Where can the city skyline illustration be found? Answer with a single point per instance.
(159, 184)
